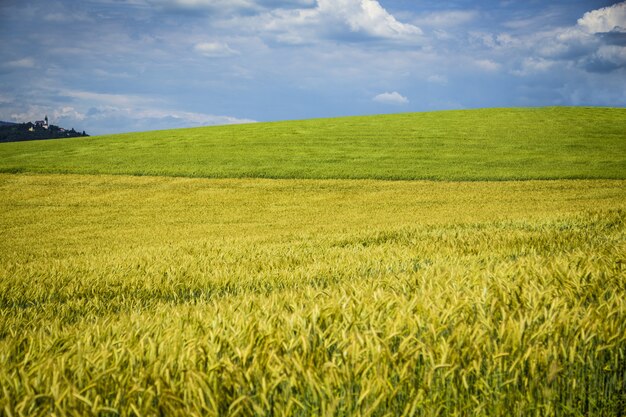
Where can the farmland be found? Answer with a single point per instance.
(134, 294)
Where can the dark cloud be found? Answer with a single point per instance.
(613, 38)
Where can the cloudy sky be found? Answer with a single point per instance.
(109, 66)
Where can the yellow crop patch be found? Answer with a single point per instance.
(144, 295)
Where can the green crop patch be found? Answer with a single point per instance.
(489, 144)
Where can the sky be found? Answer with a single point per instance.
(110, 66)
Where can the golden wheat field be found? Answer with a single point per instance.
(148, 296)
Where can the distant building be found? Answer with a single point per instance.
(42, 123)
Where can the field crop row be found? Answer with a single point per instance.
(143, 296)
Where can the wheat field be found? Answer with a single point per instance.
(147, 296)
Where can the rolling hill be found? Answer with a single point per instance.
(487, 144)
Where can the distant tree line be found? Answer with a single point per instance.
(15, 132)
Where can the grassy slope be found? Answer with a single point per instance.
(483, 144)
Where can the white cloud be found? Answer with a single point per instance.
(594, 44)
(368, 16)
(446, 19)
(227, 5)
(21, 63)
(181, 118)
(195, 5)
(487, 65)
(66, 16)
(607, 19)
(117, 100)
(340, 19)
(482, 39)
(612, 53)
(104, 119)
(495, 41)
(56, 114)
(197, 119)
(607, 58)
(564, 43)
(110, 74)
(214, 49)
(533, 66)
(67, 112)
(139, 113)
(391, 98)
(437, 79)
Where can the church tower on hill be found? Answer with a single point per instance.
(42, 123)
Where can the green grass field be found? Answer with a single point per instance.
(164, 295)
(490, 144)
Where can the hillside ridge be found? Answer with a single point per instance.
(459, 145)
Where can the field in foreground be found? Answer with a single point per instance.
(487, 144)
(146, 295)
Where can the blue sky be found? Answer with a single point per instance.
(108, 66)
